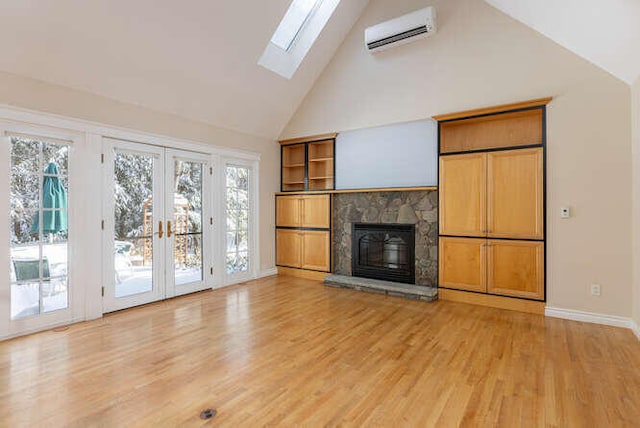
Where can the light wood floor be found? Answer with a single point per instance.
(289, 351)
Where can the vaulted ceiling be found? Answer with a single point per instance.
(196, 59)
(606, 33)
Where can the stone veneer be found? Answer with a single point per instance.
(383, 207)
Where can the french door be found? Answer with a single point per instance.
(157, 223)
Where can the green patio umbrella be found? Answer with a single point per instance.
(54, 196)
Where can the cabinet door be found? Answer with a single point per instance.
(316, 212)
(289, 248)
(315, 250)
(288, 211)
(515, 194)
(516, 268)
(463, 264)
(463, 194)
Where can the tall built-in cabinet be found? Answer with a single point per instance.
(303, 219)
(492, 201)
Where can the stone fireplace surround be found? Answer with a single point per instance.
(384, 207)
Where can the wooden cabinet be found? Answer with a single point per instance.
(515, 196)
(316, 211)
(501, 130)
(463, 194)
(296, 245)
(491, 201)
(502, 267)
(308, 163)
(305, 211)
(288, 212)
(303, 249)
(289, 248)
(463, 264)
(497, 194)
(515, 268)
(316, 250)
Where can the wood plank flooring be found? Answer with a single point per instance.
(286, 351)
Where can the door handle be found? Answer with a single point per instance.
(169, 229)
(160, 233)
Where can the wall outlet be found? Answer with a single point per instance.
(595, 289)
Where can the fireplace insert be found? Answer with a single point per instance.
(383, 251)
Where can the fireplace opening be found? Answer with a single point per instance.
(383, 251)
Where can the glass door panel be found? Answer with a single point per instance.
(186, 188)
(237, 219)
(133, 220)
(38, 226)
(134, 184)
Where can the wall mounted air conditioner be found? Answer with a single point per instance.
(399, 31)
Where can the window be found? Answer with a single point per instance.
(293, 21)
(300, 27)
(38, 226)
(237, 216)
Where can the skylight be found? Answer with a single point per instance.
(297, 15)
(302, 24)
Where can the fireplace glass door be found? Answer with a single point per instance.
(384, 251)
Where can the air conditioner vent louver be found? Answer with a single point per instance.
(398, 37)
(398, 31)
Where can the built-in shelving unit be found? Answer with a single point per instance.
(491, 203)
(308, 164)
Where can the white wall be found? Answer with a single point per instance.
(480, 57)
(32, 94)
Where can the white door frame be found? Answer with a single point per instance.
(75, 309)
(254, 216)
(171, 155)
(110, 301)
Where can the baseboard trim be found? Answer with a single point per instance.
(268, 272)
(591, 317)
(635, 328)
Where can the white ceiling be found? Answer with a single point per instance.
(604, 32)
(197, 59)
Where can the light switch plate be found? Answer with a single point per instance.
(565, 212)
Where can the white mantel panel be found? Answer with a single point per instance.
(401, 155)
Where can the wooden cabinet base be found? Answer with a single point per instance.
(302, 273)
(463, 263)
(509, 303)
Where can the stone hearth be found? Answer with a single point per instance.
(383, 207)
(395, 289)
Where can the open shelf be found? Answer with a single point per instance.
(292, 187)
(308, 166)
(321, 183)
(293, 155)
(322, 150)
